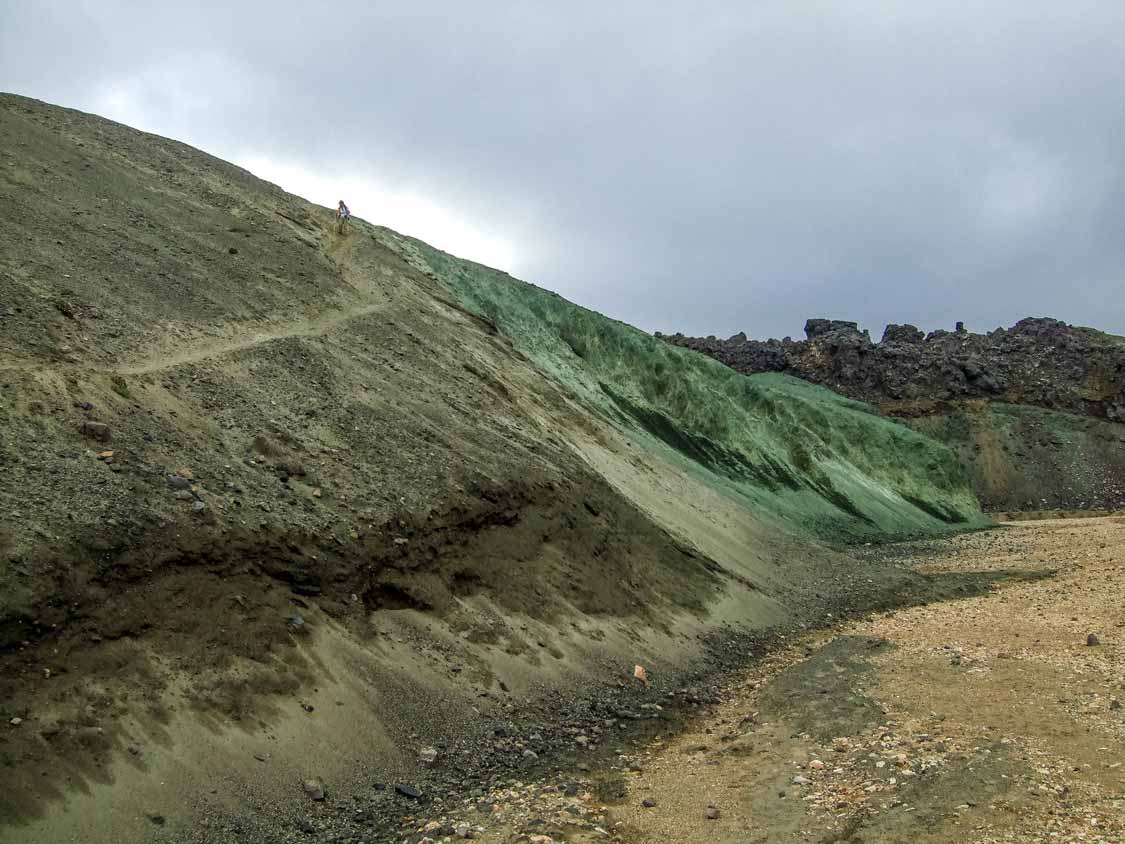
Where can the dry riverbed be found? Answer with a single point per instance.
(990, 719)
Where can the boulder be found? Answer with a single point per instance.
(905, 333)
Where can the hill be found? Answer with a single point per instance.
(283, 502)
(1036, 412)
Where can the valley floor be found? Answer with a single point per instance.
(989, 719)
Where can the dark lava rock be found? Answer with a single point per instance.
(903, 334)
(820, 327)
(408, 791)
(178, 482)
(97, 431)
(1042, 362)
(1092, 640)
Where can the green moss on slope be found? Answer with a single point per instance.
(822, 464)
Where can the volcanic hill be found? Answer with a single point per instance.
(1035, 412)
(282, 503)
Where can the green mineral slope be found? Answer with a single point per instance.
(822, 465)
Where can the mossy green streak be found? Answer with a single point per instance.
(799, 454)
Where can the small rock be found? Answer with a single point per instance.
(97, 431)
(408, 791)
(428, 755)
(1114, 705)
(463, 830)
(799, 780)
(712, 813)
(314, 789)
(648, 803)
(178, 482)
(816, 765)
(157, 819)
(15, 722)
(306, 826)
(1092, 640)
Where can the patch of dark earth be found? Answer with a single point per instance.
(817, 697)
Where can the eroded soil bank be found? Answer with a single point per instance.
(993, 718)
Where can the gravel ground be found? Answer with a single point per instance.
(987, 719)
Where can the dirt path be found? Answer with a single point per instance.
(340, 250)
(302, 328)
(984, 720)
(214, 347)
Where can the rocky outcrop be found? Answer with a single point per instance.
(1040, 362)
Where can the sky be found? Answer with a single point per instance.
(704, 167)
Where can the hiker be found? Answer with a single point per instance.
(343, 214)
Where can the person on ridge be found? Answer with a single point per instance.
(343, 214)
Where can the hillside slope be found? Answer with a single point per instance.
(1036, 413)
(280, 501)
(1030, 459)
(820, 463)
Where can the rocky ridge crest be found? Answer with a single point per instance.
(1038, 361)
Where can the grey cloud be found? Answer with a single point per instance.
(705, 167)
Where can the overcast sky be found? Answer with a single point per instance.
(697, 166)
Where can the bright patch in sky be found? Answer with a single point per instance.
(406, 213)
(139, 103)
